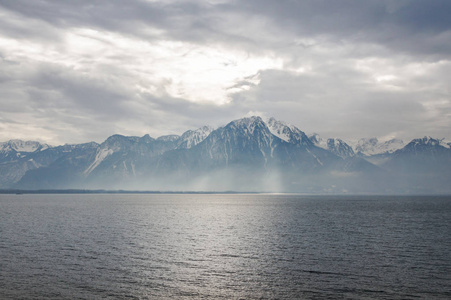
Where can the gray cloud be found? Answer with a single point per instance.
(344, 103)
(74, 71)
(398, 25)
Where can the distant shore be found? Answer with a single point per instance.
(87, 191)
(101, 191)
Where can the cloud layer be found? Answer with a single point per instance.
(76, 71)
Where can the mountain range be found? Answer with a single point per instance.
(248, 154)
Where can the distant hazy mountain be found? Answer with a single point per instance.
(16, 149)
(423, 165)
(425, 154)
(373, 146)
(40, 159)
(249, 154)
(336, 146)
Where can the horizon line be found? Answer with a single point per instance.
(122, 191)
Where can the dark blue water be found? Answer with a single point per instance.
(224, 247)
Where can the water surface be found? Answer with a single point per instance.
(224, 247)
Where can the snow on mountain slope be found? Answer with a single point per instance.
(193, 137)
(243, 141)
(363, 146)
(287, 132)
(423, 155)
(391, 145)
(373, 146)
(279, 129)
(445, 143)
(247, 126)
(426, 143)
(22, 146)
(340, 148)
(334, 145)
(318, 141)
(100, 156)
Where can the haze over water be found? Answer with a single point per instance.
(224, 247)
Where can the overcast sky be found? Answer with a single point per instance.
(79, 71)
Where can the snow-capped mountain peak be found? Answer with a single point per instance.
(426, 145)
(22, 146)
(445, 143)
(318, 141)
(392, 145)
(287, 132)
(279, 129)
(429, 141)
(334, 145)
(247, 124)
(373, 146)
(193, 137)
(340, 148)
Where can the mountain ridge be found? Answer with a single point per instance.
(246, 154)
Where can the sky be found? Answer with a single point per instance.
(80, 71)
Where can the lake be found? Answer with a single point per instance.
(224, 246)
